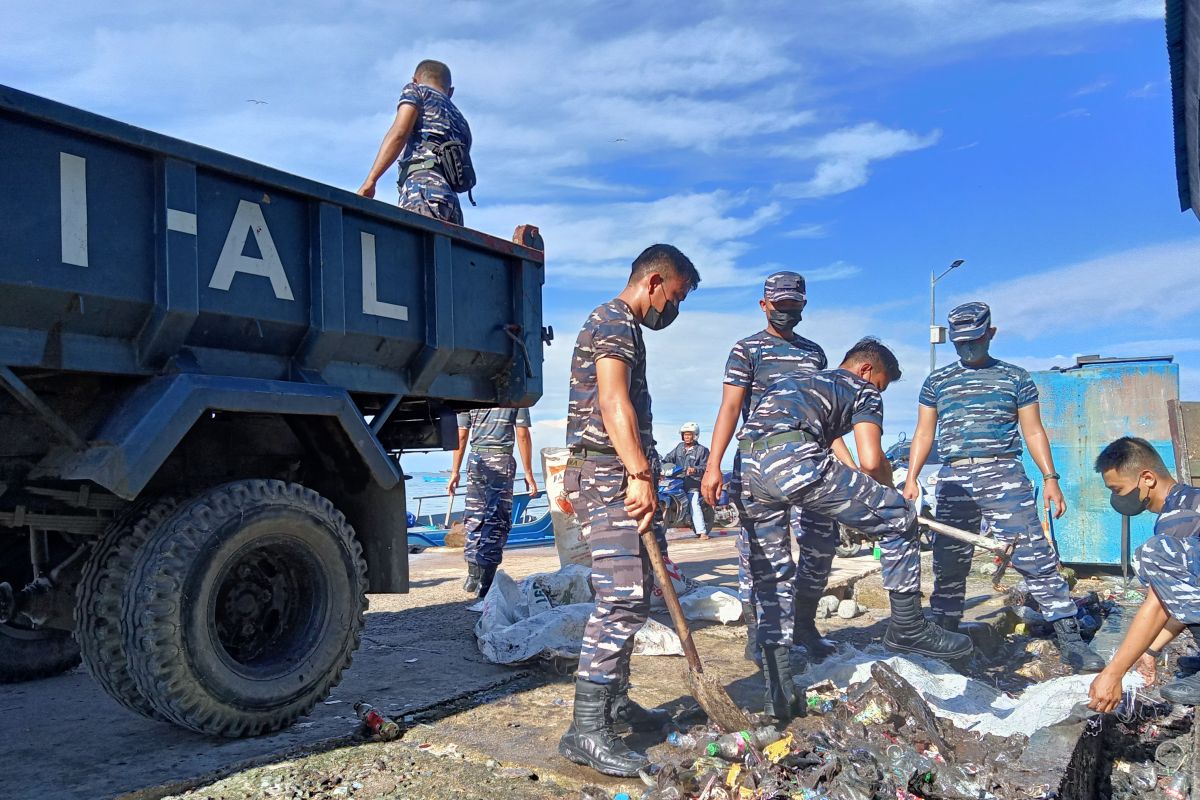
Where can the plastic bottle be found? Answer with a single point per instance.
(733, 746)
(677, 739)
(377, 723)
(1177, 788)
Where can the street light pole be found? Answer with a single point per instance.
(933, 279)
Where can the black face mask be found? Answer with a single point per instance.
(1131, 504)
(784, 320)
(972, 352)
(656, 320)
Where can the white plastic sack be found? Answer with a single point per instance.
(544, 617)
(964, 702)
(711, 604)
(568, 537)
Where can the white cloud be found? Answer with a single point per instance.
(844, 157)
(1095, 86)
(1151, 288)
(1147, 89)
(602, 239)
(813, 230)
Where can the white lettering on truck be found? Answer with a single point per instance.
(249, 220)
(72, 184)
(370, 284)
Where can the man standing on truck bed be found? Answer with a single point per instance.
(490, 473)
(611, 482)
(977, 404)
(426, 120)
(753, 365)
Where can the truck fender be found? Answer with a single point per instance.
(143, 430)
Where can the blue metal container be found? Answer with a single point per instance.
(1085, 407)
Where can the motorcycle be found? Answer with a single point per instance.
(677, 511)
(851, 541)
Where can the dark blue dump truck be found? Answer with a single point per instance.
(210, 370)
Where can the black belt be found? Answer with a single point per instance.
(592, 452)
(494, 450)
(980, 459)
(774, 440)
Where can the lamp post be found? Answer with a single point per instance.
(934, 329)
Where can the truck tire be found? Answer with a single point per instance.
(246, 606)
(27, 654)
(98, 602)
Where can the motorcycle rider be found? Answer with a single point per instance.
(692, 457)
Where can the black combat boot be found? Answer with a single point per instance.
(627, 712)
(782, 701)
(486, 576)
(471, 584)
(805, 633)
(909, 632)
(751, 616)
(1073, 651)
(590, 740)
(946, 622)
(1187, 665)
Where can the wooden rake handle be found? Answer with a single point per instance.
(669, 596)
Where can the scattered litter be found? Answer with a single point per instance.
(333, 702)
(378, 725)
(410, 661)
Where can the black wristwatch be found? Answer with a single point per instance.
(1052, 476)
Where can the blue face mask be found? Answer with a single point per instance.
(974, 351)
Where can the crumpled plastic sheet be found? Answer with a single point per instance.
(967, 703)
(543, 617)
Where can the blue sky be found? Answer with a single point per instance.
(859, 142)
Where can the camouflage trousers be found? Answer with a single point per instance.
(802, 475)
(817, 537)
(426, 192)
(1170, 565)
(621, 575)
(1000, 493)
(488, 516)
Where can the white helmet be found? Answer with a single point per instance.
(690, 427)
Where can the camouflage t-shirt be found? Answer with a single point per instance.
(758, 361)
(493, 427)
(827, 404)
(438, 121)
(1180, 515)
(977, 408)
(611, 331)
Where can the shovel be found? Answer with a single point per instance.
(708, 691)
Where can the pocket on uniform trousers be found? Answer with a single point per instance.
(571, 480)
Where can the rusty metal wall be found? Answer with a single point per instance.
(1084, 408)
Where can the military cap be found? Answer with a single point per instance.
(784, 286)
(969, 321)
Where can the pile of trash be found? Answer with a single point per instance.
(886, 726)
(542, 618)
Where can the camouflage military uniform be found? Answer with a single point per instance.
(1169, 561)
(814, 409)
(621, 574)
(982, 478)
(423, 188)
(754, 364)
(490, 472)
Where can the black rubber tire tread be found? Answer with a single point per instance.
(153, 621)
(98, 602)
(23, 659)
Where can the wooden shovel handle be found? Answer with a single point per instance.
(671, 599)
(991, 545)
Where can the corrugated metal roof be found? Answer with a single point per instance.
(1183, 48)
